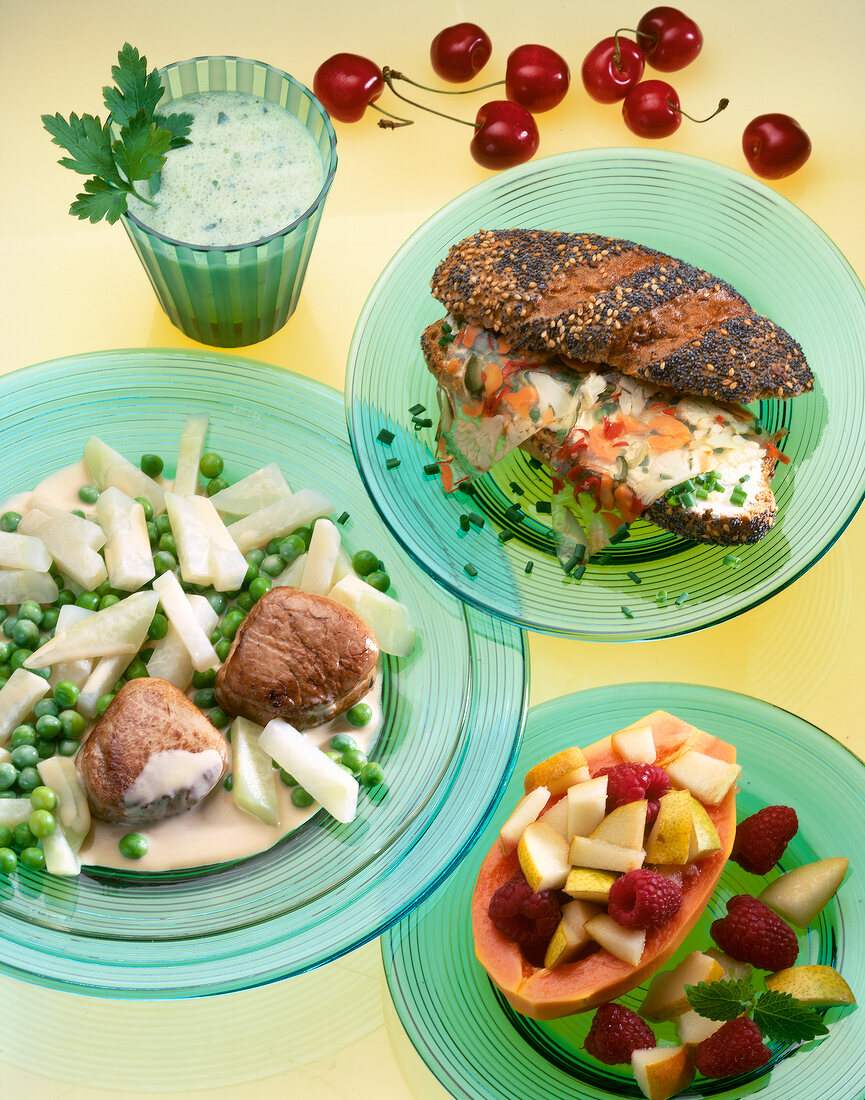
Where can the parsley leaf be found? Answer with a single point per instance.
(100, 200)
(140, 150)
(178, 125)
(781, 1017)
(722, 1000)
(89, 142)
(137, 90)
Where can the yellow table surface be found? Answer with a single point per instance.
(68, 287)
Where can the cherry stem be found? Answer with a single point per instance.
(389, 79)
(391, 122)
(722, 104)
(394, 74)
(617, 56)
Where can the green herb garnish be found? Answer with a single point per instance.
(447, 336)
(779, 1016)
(116, 163)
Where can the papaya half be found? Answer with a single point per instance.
(600, 977)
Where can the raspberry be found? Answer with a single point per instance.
(736, 1047)
(762, 838)
(526, 918)
(615, 1034)
(632, 781)
(644, 899)
(752, 933)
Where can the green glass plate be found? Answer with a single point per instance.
(453, 710)
(711, 216)
(478, 1047)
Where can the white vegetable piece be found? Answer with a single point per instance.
(324, 779)
(343, 567)
(170, 659)
(128, 557)
(189, 454)
(120, 628)
(73, 557)
(14, 811)
(278, 519)
(176, 607)
(23, 552)
(292, 574)
(266, 486)
(321, 558)
(386, 617)
(18, 585)
(18, 696)
(80, 529)
(104, 675)
(72, 811)
(60, 859)
(227, 564)
(254, 778)
(76, 671)
(109, 467)
(193, 541)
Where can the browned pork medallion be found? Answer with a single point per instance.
(297, 656)
(152, 755)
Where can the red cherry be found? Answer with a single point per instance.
(651, 109)
(775, 145)
(505, 135)
(459, 52)
(536, 78)
(607, 79)
(346, 84)
(669, 39)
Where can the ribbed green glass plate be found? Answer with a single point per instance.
(454, 709)
(480, 1049)
(712, 216)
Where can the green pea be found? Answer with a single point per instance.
(152, 533)
(163, 561)
(107, 600)
(103, 703)
(158, 627)
(272, 565)
(65, 694)
(49, 618)
(8, 861)
(219, 718)
(45, 748)
(88, 494)
(215, 635)
(4, 614)
(9, 625)
(163, 524)
(25, 633)
(255, 556)
(305, 534)
(354, 759)
(46, 706)
(205, 698)
(215, 485)
(378, 579)
(246, 601)
(49, 727)
(42, 798)
(64, 596)
(333, 755)
(72, 723)
(68, 747)
(259, 586)
(45, 673)
(8, 775)
(228, 782)
(342, 741)
(151, 464)
(231, 622)
(211, 465)
(290, 548)
(90, 600)
(133, 846)
(136, 670)
(22, 756)
(301, 798)
(25, 734)
(364, 562)
(169, 544)
(250, 575)
(9, 521)
(204, 679)
(5, 836)
(3, 679)
(31, 611)
(42, 823)
(222, 647)
(6, 650)
(360, 714)
(29, 778)
(19, 656)
(34, 858)
(217, 601)
(287, 779)
(22, 837)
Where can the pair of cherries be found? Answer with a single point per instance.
(505, 131)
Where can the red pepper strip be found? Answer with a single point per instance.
(778, 456)
(612, 429)
(620, 443)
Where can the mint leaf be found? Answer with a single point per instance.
(140, 150)
(87, 140)
(137, 90)
(722, 1000)
(100, 200)
(782, 1018)
(178, 125)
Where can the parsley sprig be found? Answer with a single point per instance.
(779, 1016)
(116, 163)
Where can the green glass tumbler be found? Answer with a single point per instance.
(234, 296)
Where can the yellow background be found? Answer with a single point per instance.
(68, 287)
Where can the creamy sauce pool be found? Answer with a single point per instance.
(251, 170)
(216, 830)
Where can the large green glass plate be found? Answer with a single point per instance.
(480, 1049)
(453, 710)
(711, 216)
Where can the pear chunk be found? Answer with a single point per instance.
(665, 998)
(662, 1072)
(734, 970)
(558, 772)
(704, 835)
(694, 1028)
(625, 943)
(800, 894)
(590, 884)
(587, 805)
(589, 852)
(704, 776)
(670, 837)
(543, 856)
(557, 817)
(571, 940)
(625, 825)
(635, 743)
(526, 811)
(816, 986)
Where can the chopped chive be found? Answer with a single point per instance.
(635, 577)
(681, 599)
(464, 522)
(424, 422)
(673, 499)
(516, 489)
(544, 507)
(386, 437)
(627, 612)
(686, 499)
(466, 488)
(536, 464)
(621, 534)
(342, 518)
(505, 536)
(529, 566)
(687, 486)
(701, 493)
(392, 463)
(432, 468)
(416, 410)
(470, 569)
(661, 598)
(738, 496)
(476, 519)
(515, 512)
(743, 479)
(567, 579)
(578, 572)
(732, 560)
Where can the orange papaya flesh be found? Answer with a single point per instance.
(600, 977)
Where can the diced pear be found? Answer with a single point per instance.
(73, 810)
(525, 812)
(75, 558)
(799, 895)
(266, 486)
(635, 743)
(19, 551)
(128, 556)
(662, 1072)
(386, 617)
(109, 467)
(694, 1028)
(625, 825)
(293, 574)
(325, 780)
(280, 518)
(321, 558)
(589, 884)
(18, 585)
(227, 565)
(625, 943)
(665, 998)
(60, 858)
(192, 538)
(18, 696)
(814, 985)
(733, 969)
(558, 772)
(14, 811)
(706, 777)
(670, 837)
(254, 786)
(75, 527)
(176, 606)
(588, 852)
(74, 671)
(120, 628)
(543, 856)
(189, 452)
(704, 835)
(556, 816)
(587, 805)
(170, 659)
(571, 940)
